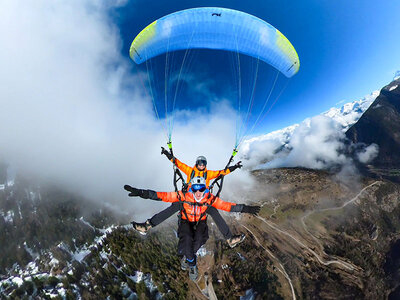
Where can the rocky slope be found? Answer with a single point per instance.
(380, 124)
(333, 237)
(317, 237)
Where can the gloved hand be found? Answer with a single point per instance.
(238, 165)
(166, 153)
(133, 192)
(254, 210)
(145, 194)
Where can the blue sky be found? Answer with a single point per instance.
(347, 49)
(67, 112)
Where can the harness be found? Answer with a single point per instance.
(195, 204)
(178, 176)
(194, 173)
(219, 181)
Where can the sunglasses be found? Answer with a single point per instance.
(198, 187)
(201, 163)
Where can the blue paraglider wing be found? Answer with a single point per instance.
(216, 28)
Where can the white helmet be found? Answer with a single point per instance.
(198, 185)
(198, 181)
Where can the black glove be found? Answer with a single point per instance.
(133, 192)
(238, 165)
(254, 210)
(166, 153)
(145, 194)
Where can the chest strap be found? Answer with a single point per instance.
(194, 172)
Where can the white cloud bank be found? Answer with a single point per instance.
(317, 143)
(71, 112)
(367, 154)
(67, 116)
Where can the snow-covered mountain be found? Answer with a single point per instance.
(350, 113)
(345, 116)
(380, 125)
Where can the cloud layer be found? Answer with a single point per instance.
(73, 114)
(316, 143)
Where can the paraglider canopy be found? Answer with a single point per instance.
(252, 45)
(216, 28)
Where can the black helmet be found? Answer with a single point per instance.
(201, 160)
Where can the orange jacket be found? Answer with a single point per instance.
(196, 210)
(194, 172)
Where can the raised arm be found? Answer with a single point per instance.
(214, 174)
(180, 165)
(183, 167)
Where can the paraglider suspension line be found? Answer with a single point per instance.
(219, 181)
(178, 176)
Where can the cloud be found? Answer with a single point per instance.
(260, 151)
(367, 154)
(317, 143)
(73, 114)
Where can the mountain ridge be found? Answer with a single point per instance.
(380, 125)
(319, 235)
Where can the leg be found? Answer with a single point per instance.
(232, 240)
(200, 235)
(220, 222)
(165, 214)
(191, 237)
(157, 218)
(185, 244)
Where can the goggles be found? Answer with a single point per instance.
(198, 187)
(201, 163)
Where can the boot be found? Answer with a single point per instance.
(142, 228)
(184, 264)
(235, 240)
(193, 273)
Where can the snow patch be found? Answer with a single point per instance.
(30, 251)
(17, 280)
(98, 241)
(202, 251)
(54, 261)
(103, 254)
(8, 217)
(393, 88)
(32, 268)
(138, 277)
(79, 256)
(86, 223)
(146, 278)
